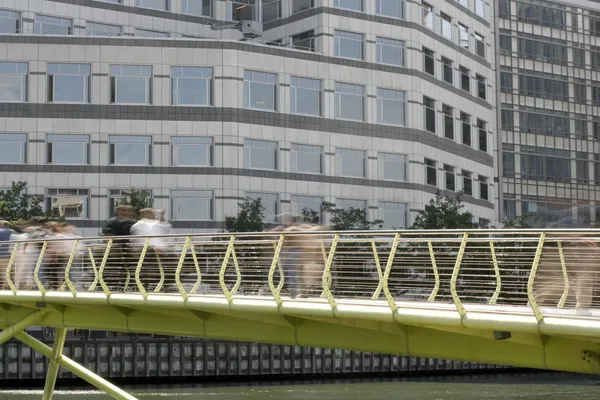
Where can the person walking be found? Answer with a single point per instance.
(5, 233)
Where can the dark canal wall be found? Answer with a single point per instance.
(164, 359)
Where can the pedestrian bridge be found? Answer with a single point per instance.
(521, 297)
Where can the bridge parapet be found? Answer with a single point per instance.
(551, 267)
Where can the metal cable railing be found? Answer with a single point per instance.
(554, 268)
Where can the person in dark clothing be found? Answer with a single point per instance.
(5, 233)
(119, 259)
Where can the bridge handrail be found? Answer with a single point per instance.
(482, 266)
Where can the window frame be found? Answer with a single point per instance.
(185, 8)
(298, 212)
(379, 7)
(197, 194)
(383, 157)
(114, 79)
(268, 145)
(89, 32)
(447, 65)
(382, 42)
(24, 79)
(175, 90)
(206, 141)
(429, 105)
(167, 3)
(114, 195)
(112, 148)
(339, 35)
(85, 205)
(296, 149)
(20, 138)
(17, 18)
(430, 167)
(449, 176)
(448, 113)
(337, 4)
(467, 176)
(37, 24)
(466, 133)
(254, 77)
(277, 203)
(402, 103)
(340, 156)
(85, 76)
(339, 93)
(484, 187)
(295, 87)
(382, 208)
(51, 144)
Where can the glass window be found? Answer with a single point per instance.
(130, 84)
(467, 183)
(448, 113)
(348, 44)
(393, 167)
(464, 3)
(241, 10)
(450, 178)
(463, 36)
(465, 123)
(307, 158)
(428, 61)
(67, 149)
(302, 5)
(390, 8)
(197, 7)
(46, 25)
(483, 187)
(310, 207)
(351, 162)
(305, 96)
(10, 22)
(270, 201)
(260, 90)
(465, 79)
(130, 150)
(191, 151)
(430, 172)
(446, 26)
(393, 214)
(149, 33)
(427, 17)
(447, 70)
(118, 197)
(304, 41)
(347, 204)
(13, 148)
(429, 106)
(481, 91)
(479, 5)
(191, 86)
(260, 154)
(271, 10)
(69, 83)
(349, 101)
(156, 4)
(479, 45)
(68, 203)
(482, 133)
(13, 81)
(390, 51)
(98, 29)
(192, 205)
(355, 5)
(391, 107)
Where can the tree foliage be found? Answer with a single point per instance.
(349, 219)
(250, 217)
(444, 212)
(138, 199)
(17, 205)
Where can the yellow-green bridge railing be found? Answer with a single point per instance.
(519, 297)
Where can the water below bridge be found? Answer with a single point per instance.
(546, 386)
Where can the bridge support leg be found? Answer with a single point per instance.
(74, 367)
(53, 366)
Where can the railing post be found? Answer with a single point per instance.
(325, 280)
(13, 255)
(563, 264)
(38, 265)
(436, 273)
(276, 290)
(496, 273)
(226, 291)
(534, 267)
(180, 266)
(139, 269)
(379, 272)
(53, 366)
(103, 285)
(455, 298)
(386, 274)
(68, 269)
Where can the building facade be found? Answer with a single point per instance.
(370, 104)
(549, 97)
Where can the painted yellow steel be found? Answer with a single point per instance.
(11, 261)
(461, 329)
(53, 366)
(436, 274)
(563, 265)
(36, 272)
(496, 294)
(455, 298)
(534, 267)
